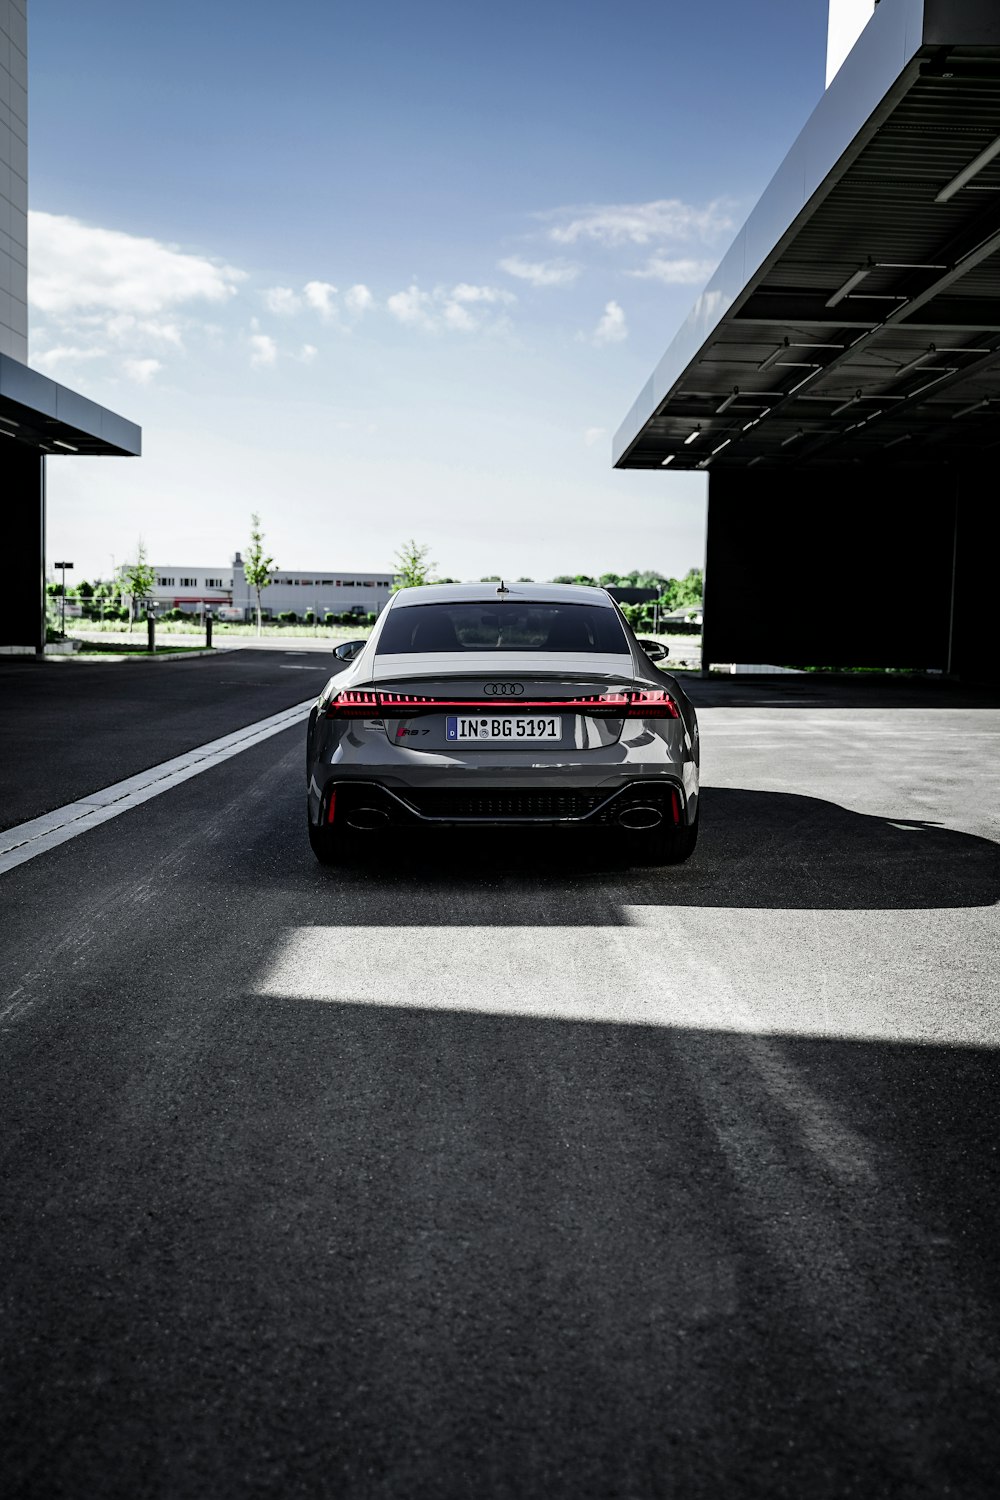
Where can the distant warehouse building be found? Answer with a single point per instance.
(319, 590)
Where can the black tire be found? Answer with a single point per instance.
(664, 845)
(331, 846)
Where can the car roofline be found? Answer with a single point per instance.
(489, 593)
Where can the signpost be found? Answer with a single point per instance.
(62, 601)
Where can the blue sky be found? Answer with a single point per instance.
(390, 271)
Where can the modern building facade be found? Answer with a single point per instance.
(39, 419)
(319, 590)
(838, 381)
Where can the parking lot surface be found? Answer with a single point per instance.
(494, 1167)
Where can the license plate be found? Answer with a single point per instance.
(526, 728)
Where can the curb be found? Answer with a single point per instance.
(113, 658)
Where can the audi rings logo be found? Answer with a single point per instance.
(503, 689)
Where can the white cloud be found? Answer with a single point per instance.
(358, 299)
(612, 328)
(308, 353)
(75, 267)
(593, 435)
(282, 301)
(614, 224)
(63, 354)
(126, 328)
(319, 296)
(448, 308)
(142, 371)
(682, 272)
(412, 307)
(263, 350)
(541, 272)
(463, 292)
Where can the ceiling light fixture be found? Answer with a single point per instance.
(728, 401)
(843, 407)
(772, 359)
(976, 406)
(927, 385)
(724, 444)
(793, 439)
(806, 379)
(913, 363)
(855, 279)
(668, 460)
(692, 436)
(967, 173)
(906, 438)
(68, 446)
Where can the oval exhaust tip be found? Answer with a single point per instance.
(639, 818)
(367, 818)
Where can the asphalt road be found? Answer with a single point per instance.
(499, 1170)
(68, 728)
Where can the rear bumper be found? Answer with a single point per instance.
(639, 804)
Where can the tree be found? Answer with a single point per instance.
(257, 565)
(137, 580)
(691, 588)
(525, 579)
(412, 567)
(491, 578)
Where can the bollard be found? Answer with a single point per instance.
(208, 629)
(150, 632)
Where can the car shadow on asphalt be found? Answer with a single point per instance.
(757, 849)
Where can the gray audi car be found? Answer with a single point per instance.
(486, 705)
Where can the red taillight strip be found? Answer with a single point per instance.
(411, 701)
(647, 703)
(353, 704)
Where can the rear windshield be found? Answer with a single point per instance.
(503, 627)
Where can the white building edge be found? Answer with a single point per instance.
(225, 591)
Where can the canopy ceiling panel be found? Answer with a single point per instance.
(857, 316)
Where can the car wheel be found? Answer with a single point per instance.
(331, 846)
(665, 846)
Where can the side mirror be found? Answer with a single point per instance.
(348, 650)
(654, 650)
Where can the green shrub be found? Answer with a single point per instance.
(309, 618)
(329, 618)
(288, 617)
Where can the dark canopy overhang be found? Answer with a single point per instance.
(49, 418)
(857, 315)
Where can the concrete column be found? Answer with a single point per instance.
(22, 591)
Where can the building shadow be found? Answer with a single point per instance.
(848, 690)
(333, 1249)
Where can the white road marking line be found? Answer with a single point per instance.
(17, 845)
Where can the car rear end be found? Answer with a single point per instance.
(453, 732)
